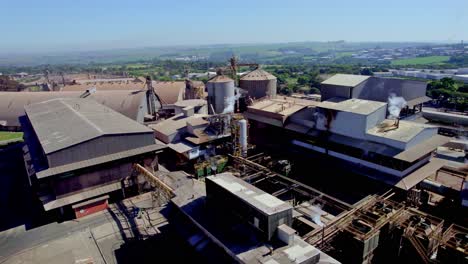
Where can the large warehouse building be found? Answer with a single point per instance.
(79, 151)
(170, 93)
(133, 104)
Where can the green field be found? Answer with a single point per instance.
(344, 54)
(422, 60)
(10, 135)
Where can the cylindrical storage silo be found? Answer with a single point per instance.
(221, 95)
(259, 84)
(243, 136)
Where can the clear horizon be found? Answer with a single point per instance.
(64, 26)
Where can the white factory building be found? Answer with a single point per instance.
(355, 131)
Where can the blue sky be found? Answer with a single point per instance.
(47, 25)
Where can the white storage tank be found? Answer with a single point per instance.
(221, 95)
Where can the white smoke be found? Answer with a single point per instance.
(230, 102)
(395, 104)
(315, 215)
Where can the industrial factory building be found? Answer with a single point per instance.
(354, 131)
(243, 222)
(194, 136)
(375, 89)
(78, 152)
(135, 105)
(263, 211)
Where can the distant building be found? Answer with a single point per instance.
(383, 74)
(79, 152)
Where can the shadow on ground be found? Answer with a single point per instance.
(165, 247)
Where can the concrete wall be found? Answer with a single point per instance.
(329, 91)
(342, 123)
(99, 147)
(304, 117)
(225, 202)
(364, 163)
(378, 89)
(426, 134)
(376, 117)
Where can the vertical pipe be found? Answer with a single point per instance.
(243, 137)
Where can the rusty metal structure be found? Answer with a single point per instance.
(162, 192)
(454, 245)
(234, 67)
(375, 225)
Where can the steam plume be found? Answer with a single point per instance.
(315, 215)
(229, 102)
(395, 104)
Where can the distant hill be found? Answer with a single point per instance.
(219, 52)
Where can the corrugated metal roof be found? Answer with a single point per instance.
(107, 80)
(96, 161)
(125, 102)
(220, 79)
(104, 86)
(357, 106)
(169, 92)
(258, 75)
(348, 80)
(418, 101)
(181, 146)
(420, 174)
(264, 202)
(422, 148)
(173, 124)
(52, 204)
(61, 123)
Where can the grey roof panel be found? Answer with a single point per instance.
(348, 80)
(353, 105)
(126, 102)
(64, 122)
(266, 203)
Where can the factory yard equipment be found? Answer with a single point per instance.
(281, 166)
(215, 164)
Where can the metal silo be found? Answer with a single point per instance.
(259, 83)
(221, 95)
